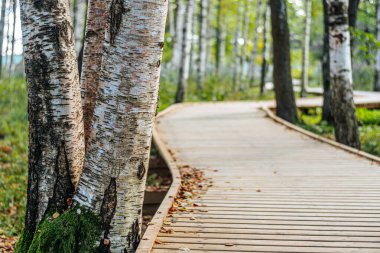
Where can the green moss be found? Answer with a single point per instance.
(76, 230)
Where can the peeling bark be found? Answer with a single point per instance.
(186, 48)
(97, 23)
(113, 180)
(306, 49)
(346, 126)
(286, 106)
(56, 138)
(251, 72)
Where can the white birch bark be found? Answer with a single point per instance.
(171, 19)
(13, 37)
(56, 138)
(186, 48)
(306, 49)
(178, 39)
(113, 180)
(194, 42)
(203, 8)
(251, 72)
(237, 51)
(346, 126)
(377, 66)
(2, 28)
(245, 37)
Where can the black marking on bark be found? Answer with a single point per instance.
(64, 36)
(45, 4)
(133, 238)
(337, 9)
(158, 64)
(161, 44)
(107, 212)
(141, 171)
(63, 186)
(116, 18)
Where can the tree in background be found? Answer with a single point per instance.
(203, 18)
(11, 64)
(376, 86)
(178, 38)
(251, 71)
(2, 28)
(264, 64)
(346, 126)
(236, 54)
(282, 78)
(327, 111)
(305, 51)
(186, 48)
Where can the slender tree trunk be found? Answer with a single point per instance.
(264, 66)
(353, 7)
(2, 27)
(327, 111)
(186, 48)
(194, 43)
(251, 73)
(171, 19)
(210, 35)
(377, 67)
(97, 23)
(8, 36)
(237, 51)
(286, 106)
(177, 40)
(218, 37)
(56, 138)
(203, 9)
(13, 36)
(306, 48)
(247, 3)
(346, 126)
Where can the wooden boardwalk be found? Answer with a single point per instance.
(272, 189)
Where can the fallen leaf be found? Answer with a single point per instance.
(55, 215)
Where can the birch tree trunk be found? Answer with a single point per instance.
(178, 39)
(218, 37)
(306, 49)
(171, 19)
(186, 48)
(286, 107)
(376, 86)
(97, 23)
(8, 36)
(203, 9)
(245, 38)
(2, 28)
(56, 138)
(327, 111)
(251, 71)
(113, 180)
(353, 6)
(194, 42)
(264, 65)
(346, 126)
(13, 37)
(237, 51)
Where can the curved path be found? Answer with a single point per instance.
(271, 189)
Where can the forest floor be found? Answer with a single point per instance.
(369, 127)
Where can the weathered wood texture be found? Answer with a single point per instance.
(273, 189)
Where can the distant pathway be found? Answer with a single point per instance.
(273, 189)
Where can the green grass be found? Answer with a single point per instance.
(369, 127)
(13, 155)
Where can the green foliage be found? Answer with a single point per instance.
(76, 230)
(13, 155)
(369, 130)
